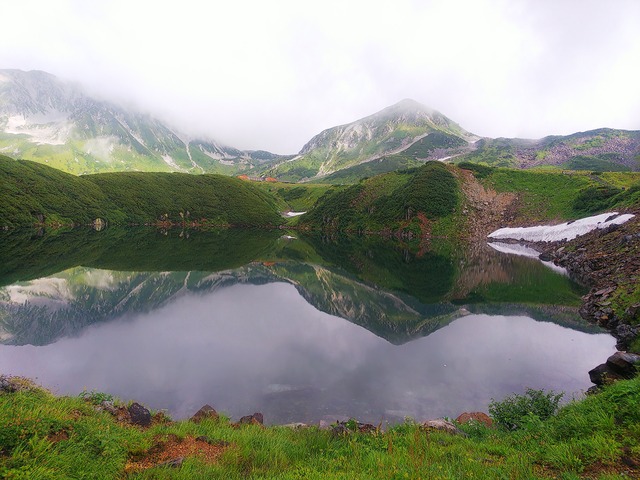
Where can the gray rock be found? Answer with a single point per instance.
(633, 312)
(173, 463)
(624, 363)
(442, 425)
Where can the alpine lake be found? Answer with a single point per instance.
(303, 328)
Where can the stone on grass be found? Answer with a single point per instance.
(207, 412)
(255, 419)
(479, 417)
(442, 425)
(139, 415)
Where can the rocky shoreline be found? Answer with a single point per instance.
(608, 262)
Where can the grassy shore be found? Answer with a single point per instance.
(47, 437)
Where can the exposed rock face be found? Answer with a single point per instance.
(207, 412)
(139, 415)
(486, 209)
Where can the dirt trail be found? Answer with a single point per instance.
(485, 209)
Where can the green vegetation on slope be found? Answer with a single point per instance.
(34, 193)
(212, 199)
(365, 170)
(390, 201)
(42, 436)
(294, 196)
(601, 163)
(554, 195)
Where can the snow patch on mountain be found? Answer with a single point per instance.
(563, 231)
(51, 128)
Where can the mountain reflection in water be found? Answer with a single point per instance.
(264, 329)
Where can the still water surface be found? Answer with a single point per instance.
(304, 339)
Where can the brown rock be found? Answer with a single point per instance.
(255, 419)
(479, 417)
(207, 412)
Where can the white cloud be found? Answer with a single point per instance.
(272, 74)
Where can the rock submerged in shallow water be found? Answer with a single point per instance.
(139, 415)
(207, 412)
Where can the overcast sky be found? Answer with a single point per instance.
(271, 74)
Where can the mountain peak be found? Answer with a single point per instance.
(410, 104)
(44, 118)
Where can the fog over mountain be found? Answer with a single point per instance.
(261, 76)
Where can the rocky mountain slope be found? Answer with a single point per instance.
(601, 150)
(406, 126)
(51, 121)
(48, 120)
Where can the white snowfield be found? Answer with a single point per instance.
(293, 214)
(564, 231)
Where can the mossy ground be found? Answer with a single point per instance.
(43, 436)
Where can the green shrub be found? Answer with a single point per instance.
(595, 199)
(516, 411)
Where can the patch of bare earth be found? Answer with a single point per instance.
(486, 210)
(173, 450)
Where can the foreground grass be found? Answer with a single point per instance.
(42, 436)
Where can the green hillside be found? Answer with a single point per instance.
(410, 200)
(389, 163)
(555, 195)
(36, 194)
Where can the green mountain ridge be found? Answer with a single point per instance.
(37, 194)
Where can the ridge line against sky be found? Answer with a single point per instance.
(271, 75)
